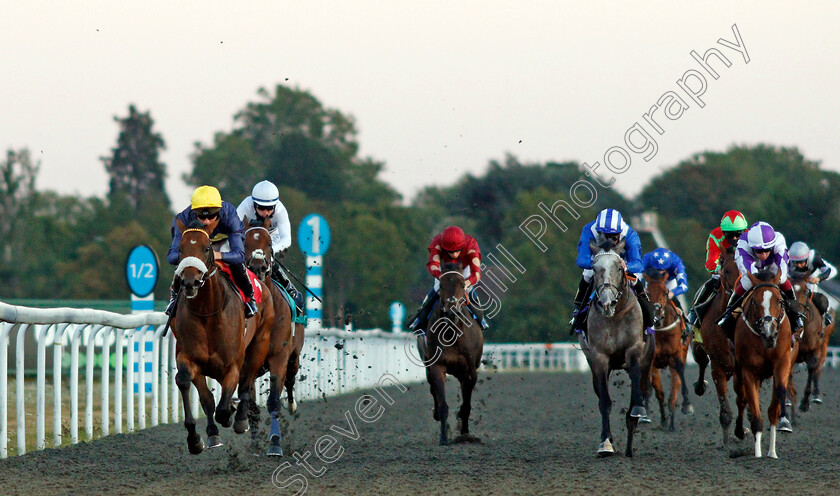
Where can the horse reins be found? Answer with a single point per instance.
(619, 290)
(765, 318)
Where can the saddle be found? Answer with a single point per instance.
(251, 277)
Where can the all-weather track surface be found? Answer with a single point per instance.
(539, 431)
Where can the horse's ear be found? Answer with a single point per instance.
(619, 247)
(593, 247)
(245, 221)
(754, 280)
(180, 224)
(777, 277)
(267, 222)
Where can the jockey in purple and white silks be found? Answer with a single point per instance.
(807, 265)
(610, 227)
(664, 260)
(761, 248)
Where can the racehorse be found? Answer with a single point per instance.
(716, 347)
(671, 349)
(763, 350)
(616, 339)
(813, 345)
(453, 345)
(286, 339)
(213, 338)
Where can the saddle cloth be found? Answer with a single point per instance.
(296, 318)
(251, 277)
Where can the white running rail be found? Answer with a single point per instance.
(332, 362)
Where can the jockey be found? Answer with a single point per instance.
(807, 265)
(608, 226)
(265, 202)
(451, 246)
(663, 260)
(208, 211)
(732, 225)
(761, 248)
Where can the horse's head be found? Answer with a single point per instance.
(765, 312)
(657, 290)
(729, 273)
(258, 252)
(609, 278)
(196, 258)
(452, 292)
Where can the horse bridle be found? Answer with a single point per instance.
(452, 299)
(206, 273)
(259, 254)
(664, 309)
(618, 290)
(764, 318)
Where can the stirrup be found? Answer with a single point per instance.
(250, 308)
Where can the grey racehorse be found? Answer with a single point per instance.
(616, 339)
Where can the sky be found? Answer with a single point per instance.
(437, 89)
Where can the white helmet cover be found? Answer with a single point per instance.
(265, 193)
(799, 251)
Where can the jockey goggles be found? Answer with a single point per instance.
(762, 250)
(206, 214)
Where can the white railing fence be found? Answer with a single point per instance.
(143, 362)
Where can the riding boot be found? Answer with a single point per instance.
(478, 314)
(727, 321)
(648, 316)
(421, 318)
(702, 300)
(797, 319)
(173, 297)
(581, 307)
(279, 275)
(240, 277)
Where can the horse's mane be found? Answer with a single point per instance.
(764, 275)
(196, 224)
(451, 266)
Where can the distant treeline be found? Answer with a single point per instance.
(55, 246)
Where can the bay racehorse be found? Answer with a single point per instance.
(213, 338)
(281, 361)
(715, 348)
(453, 345)
(762, 351)
(671, 348)
(616, 340)
(813, 345)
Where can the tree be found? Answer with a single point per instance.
(291, 139)
(136, 174)
(17, 187)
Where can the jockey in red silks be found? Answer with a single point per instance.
(451, 246)
(732, 225)
(759, 249)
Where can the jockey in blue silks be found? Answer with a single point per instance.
(661, 261)
(608, 226)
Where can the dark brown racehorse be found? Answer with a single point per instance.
(763, 350)
(213, 339)
(615, 340)
(716, 347)
(454, 344)
(813, 345)
(671, 348)
(286, 337)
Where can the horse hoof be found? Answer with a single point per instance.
(240, 426)
(214, 442)
(274, 450)
(645, 420)
(197, 448)
(292, 407)
(816, 399)
(784, 425)
(688, 409)
(638, 412)
(804, 406)
(606, 449)
(700, 387)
